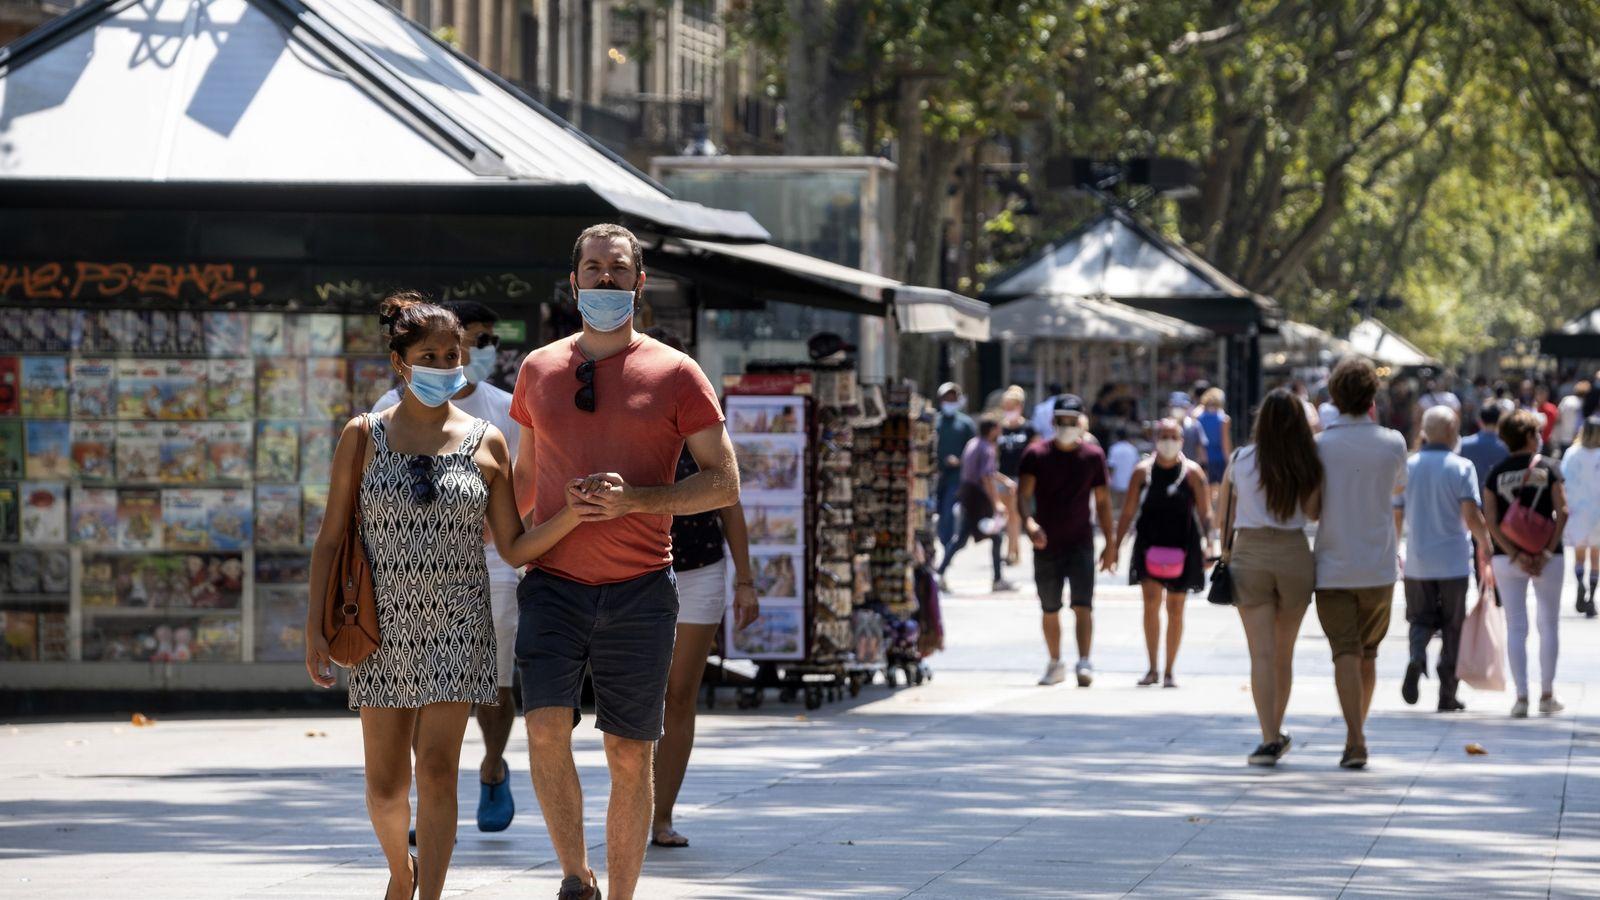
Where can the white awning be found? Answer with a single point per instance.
(1302, 337)
(798, 263)
(1089, 319)
(935, 311)
(1376, 340)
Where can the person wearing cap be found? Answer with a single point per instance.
(1057, 482)
(953, 429)
(982, 513)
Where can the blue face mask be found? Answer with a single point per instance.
(435, 387)
(604, 309)
(481, 366)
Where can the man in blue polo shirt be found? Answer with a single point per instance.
(1437, 515)
(1485, 450)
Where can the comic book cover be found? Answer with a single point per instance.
(228, 447)
(316, 451)
(163, 332)
(138, 452)
(231, 522)
(138, 386)
(231, 388)
(283, 568)
(227, 334)
(54, 634)
(23, 572)
(327, 389)
(280, 624)
(136, 330)
(139, 520)
(266, 334)
(49, 449)
(44, 512)
(33, 329)
(280, 389)
(315, 501)
(370, 379)
(183, 515)
(11, 449)
(10, 385)
(277, 451)
(325, 334)
(296, 334)
(94, 448)
(94, 516)
(183, 453)
(10, 512)
(95, 330)
(55, 572)
(191, 336)
(362, 334)
(94, 388)
(216, 639)
(44, 386)
(98, 584)
(183, 390)
(277, 515)
(19, 636)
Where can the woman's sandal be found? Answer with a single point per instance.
(413, 891)
(674, 840)
(1168, 682)
(1149, 678)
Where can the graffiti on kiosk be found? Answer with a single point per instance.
(88, 280)
(508, 285)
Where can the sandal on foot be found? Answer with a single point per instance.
(668, 838)
(1354, 758)
(574, 887)
(1168, 682)
(1149, 678)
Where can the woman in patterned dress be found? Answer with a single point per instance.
(433, 479)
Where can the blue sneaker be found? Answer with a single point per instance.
(495, 806)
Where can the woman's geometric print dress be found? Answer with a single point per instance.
(436, 637)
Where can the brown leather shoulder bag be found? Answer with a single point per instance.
(349, 609)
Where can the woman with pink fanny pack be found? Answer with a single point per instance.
(1169, 523)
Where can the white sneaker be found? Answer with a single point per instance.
(1085, 673)
(1519, 710)
(1055, 673)
(1549, 706)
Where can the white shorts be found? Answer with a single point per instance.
(503, 609)
(703, 594)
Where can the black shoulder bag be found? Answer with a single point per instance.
(1221, 592)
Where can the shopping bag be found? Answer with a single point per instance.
(1481, 661)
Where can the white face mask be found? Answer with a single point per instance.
(950, 407)
(1168, 448)
(1067, 435)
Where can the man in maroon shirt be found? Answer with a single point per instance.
(1057, 481)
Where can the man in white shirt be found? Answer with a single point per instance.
(485, 401)
(1044, 414)
(1121, 460)
(1364, 467)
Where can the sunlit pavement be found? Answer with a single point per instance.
(978, 784)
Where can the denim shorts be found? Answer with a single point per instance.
(623, 633)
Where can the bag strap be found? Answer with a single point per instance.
(359, 467)
(1227, 516)
(1539, 492)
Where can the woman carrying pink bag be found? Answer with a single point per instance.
(1481, 659)
(1168, 495)
(1526, 506)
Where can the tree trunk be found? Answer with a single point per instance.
(820, 74)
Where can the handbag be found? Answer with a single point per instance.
(1481, 658)
(349, 608)
(1221, 592)
(1164, 563)
(1523, 525)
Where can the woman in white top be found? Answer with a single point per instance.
(1580, 468)
(1270, 491)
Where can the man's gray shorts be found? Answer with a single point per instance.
(622, 632)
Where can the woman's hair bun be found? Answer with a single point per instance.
(396, 303)
(408, 316)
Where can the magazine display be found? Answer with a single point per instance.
(94, 447)
(44, 386)
(94, 388)
(49, 446)
(44, 512)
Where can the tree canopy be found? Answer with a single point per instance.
(1441, 151)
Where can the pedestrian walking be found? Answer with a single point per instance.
(1121, 459)
(1217, 425)
(1059, 482)
(1271, 489)
(979, 503)
(482, 400)
(1527, 511)
(1357, 552)
(606, 414)
(1196, 445)
(427, 478)
(1169, 510)
(1044, 412)
(952, 429)
(1016, 434)
(700, 564)
(1580, 468)
(1438, 516)
(1485, 450)
(1569, 417)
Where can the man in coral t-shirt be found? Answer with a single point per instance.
(605, 414)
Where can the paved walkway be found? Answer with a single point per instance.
(979, 784)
